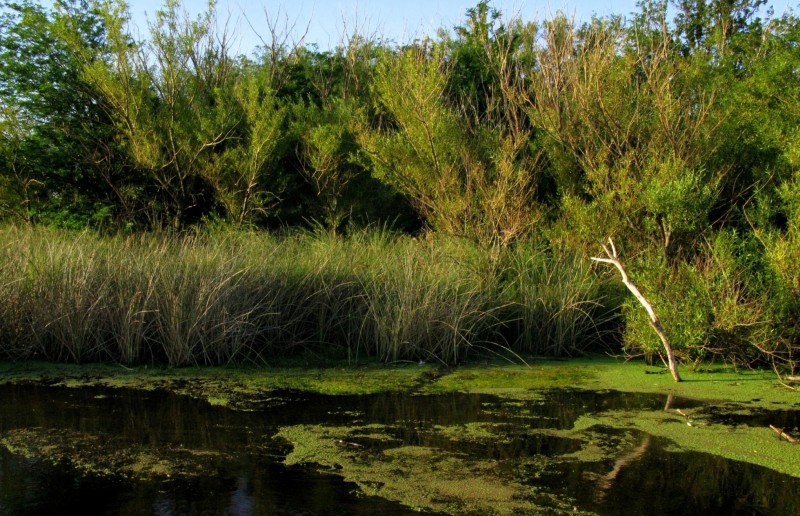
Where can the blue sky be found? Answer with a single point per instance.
(396, 20)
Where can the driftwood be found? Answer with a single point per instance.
(655, 323)
(689, 421)
(784, 435)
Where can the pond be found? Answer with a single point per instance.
(118, 451)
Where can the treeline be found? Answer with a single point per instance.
(673, 130)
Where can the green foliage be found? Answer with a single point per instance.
(673, 131)
(465, 177)
(679, 298)
(627, 109)
(61, 165)
(421, 158)
(328, 156)
(718, 306)
(241, 174)
(185, 121)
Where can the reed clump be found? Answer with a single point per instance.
(556, 302)
(250, 297)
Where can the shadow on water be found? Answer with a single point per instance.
(107, 451)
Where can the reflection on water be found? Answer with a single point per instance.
(240, 467)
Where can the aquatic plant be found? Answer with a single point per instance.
(218, 297)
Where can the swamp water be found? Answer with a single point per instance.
(115, 451)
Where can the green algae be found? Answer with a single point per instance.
(103, 456)
(594, 444)
(418, 476)
(510, 380)
(472, 432)
(734, 391)
(755, 445)
(712, 382)
(236, 387)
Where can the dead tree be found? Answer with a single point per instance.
(655, 323)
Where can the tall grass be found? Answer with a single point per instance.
(219, 297)
(554, 301)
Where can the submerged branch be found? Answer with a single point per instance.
(784, 435)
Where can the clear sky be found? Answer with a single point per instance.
(396, 20)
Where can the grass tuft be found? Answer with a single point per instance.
(249, 297)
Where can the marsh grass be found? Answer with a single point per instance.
(250, 297)
(422, 303)
(554, 302)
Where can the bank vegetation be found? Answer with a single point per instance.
(223, 202)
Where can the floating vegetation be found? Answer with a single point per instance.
(416, 445)
(421, 477)
(102, 455)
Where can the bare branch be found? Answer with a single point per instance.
(655, 323)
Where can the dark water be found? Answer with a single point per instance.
(247, 475)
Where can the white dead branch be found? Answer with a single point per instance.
(655, 323)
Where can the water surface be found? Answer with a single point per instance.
(114, 451)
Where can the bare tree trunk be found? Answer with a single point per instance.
(655, 323)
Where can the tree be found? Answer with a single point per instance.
(170, 98)
(626, 110)
(327, 149)
(464, 174)
(18, 184)
(240, 173)
(613, 259)
(55, 126)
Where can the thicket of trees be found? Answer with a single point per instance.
(677, 135)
